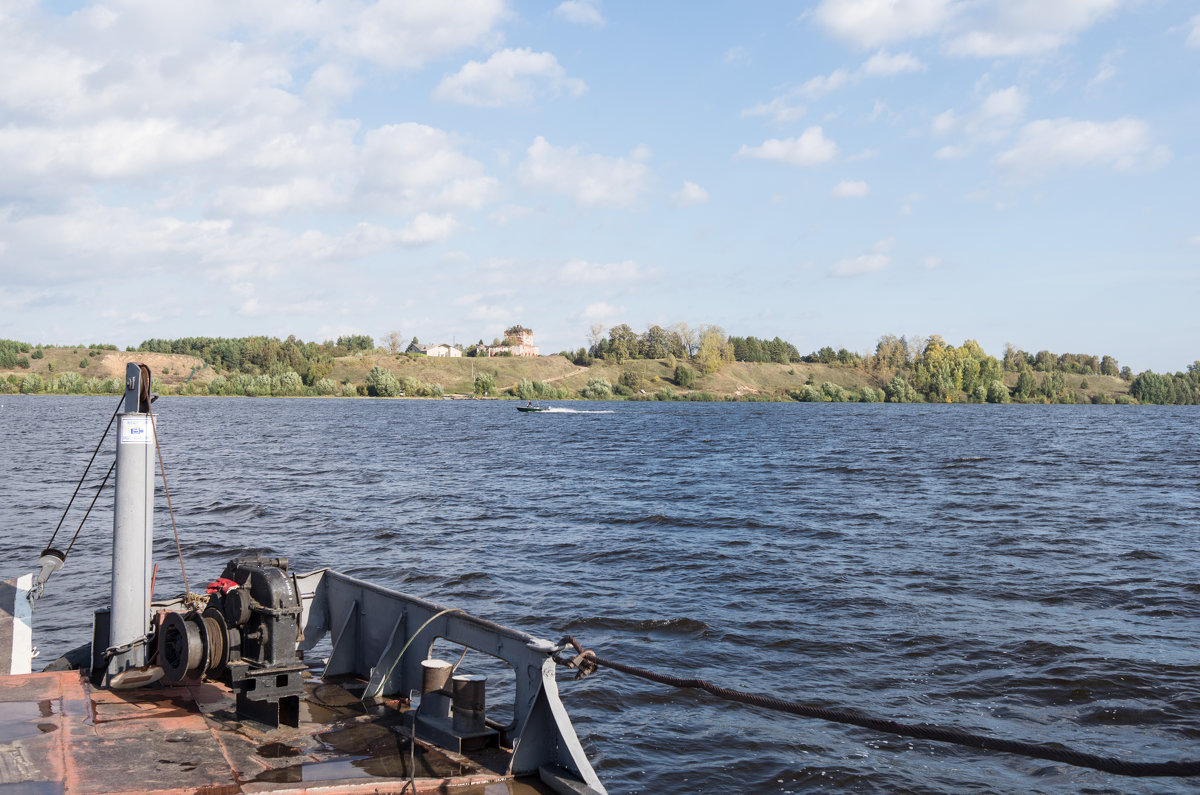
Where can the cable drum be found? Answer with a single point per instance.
(180, 652)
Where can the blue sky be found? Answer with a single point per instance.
(1018, 171)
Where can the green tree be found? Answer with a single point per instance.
(656, 343)
(997, 392)
(715, 349)
(898, 390)
(1149, 387)
(633, 379)
(69, 382)
(32, 384)
(832, 392)
(290, 383)
(597, 389)
(622, 343)
(485, 384)
(1026, 385)
(891, 351)
(684, 376)
(381, 383)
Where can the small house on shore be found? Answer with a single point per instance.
(441, 350)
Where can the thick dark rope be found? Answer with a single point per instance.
(586, 659)
(71, 501)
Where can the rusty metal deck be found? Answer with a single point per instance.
(59, 735)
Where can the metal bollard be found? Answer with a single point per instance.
(435, 688)
(469, 703)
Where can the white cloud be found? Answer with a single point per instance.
(331, 83)
(875, 260)
(600, 311)
(1005, 106)
(881, 111)
(782, 109)
(1194, 241)
(881, 64)
(590, 180)
(866, 154)
(581, 12)
(990, 122)
(1025, 27)
(410, 168)
(250, 305)
(94, 243)
(401, 34)
(1048, 144)
(821, 84)
(688, 195)
(1107, 69)
(298, 193)
(810, 149)
(945, 122)
(115, 149)
(582, 272)
(736, 55)
(933, 262)
(850, 189)
(951, 153)
(509, 77)
(869, 23)
(492, 313)
(1193, 39)
(503, 216)
(973, 28)
(427, 228)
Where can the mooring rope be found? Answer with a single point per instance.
(585, 662)
(188, 595)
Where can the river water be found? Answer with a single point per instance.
(1025, 571)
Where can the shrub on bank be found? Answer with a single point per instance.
(597, 389)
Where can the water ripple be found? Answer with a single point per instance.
(1027, 571)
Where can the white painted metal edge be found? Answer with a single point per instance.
(22, 628)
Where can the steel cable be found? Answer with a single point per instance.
(1049, 752)
(82, 477)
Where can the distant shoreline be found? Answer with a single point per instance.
(543, 378)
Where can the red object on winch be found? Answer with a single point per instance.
(222, 585)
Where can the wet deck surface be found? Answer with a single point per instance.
(58, 735)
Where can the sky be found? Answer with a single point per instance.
(1009, 171)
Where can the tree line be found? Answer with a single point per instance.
(270, 356)
(904, 369)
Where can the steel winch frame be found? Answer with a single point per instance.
(382, 636)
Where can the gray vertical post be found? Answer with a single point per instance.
(133, 523)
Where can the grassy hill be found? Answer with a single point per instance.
(735, 380)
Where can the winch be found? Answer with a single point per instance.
(245, 636)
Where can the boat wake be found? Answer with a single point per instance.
(555, 410)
